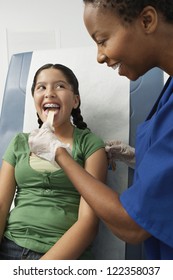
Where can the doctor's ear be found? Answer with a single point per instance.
(149, 19)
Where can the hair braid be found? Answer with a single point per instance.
(78, 119)
(39, 121)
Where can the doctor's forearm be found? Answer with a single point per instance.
(85, 183)
(103, 200)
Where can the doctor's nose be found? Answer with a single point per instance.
(101, 58)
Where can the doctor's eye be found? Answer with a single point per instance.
(101, 42)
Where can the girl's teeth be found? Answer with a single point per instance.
(51, 106)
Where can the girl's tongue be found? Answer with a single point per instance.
(55, 110)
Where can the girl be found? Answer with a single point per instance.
(50, 220)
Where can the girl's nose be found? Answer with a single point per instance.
(50, 93)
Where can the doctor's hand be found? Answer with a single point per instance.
(44, 143)
(119, 151)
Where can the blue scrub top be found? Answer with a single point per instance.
(149, 201)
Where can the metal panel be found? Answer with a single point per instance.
(12, 113)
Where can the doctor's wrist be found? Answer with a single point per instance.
(60, 155)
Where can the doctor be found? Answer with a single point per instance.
(135, 36)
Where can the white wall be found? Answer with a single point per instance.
(26, 25)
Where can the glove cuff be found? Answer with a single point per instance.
(54, 146)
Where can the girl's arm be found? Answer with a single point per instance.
(7, 191)
(74, 242)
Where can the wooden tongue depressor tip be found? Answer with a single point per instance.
(50, 117)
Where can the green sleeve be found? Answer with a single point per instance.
(10, 154)
(89, 143)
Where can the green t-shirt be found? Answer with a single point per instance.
(46, 203)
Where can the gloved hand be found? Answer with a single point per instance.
(44, 143)
(117, 150)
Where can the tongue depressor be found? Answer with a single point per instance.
(50, 117)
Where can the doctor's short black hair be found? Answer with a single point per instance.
(128, 10)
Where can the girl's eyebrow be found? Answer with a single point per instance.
(58, 81)
(61, 81)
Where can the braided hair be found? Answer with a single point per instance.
(77, 118)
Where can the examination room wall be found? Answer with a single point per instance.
(27, 25)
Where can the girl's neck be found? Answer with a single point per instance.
(65, 133)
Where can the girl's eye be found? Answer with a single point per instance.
(40, 87)
(59, 86)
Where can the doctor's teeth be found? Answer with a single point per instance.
(115, 66)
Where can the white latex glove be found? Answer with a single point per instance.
(117, 150)
(44, 143)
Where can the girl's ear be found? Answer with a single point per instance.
(149, 19)
(76, 101)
